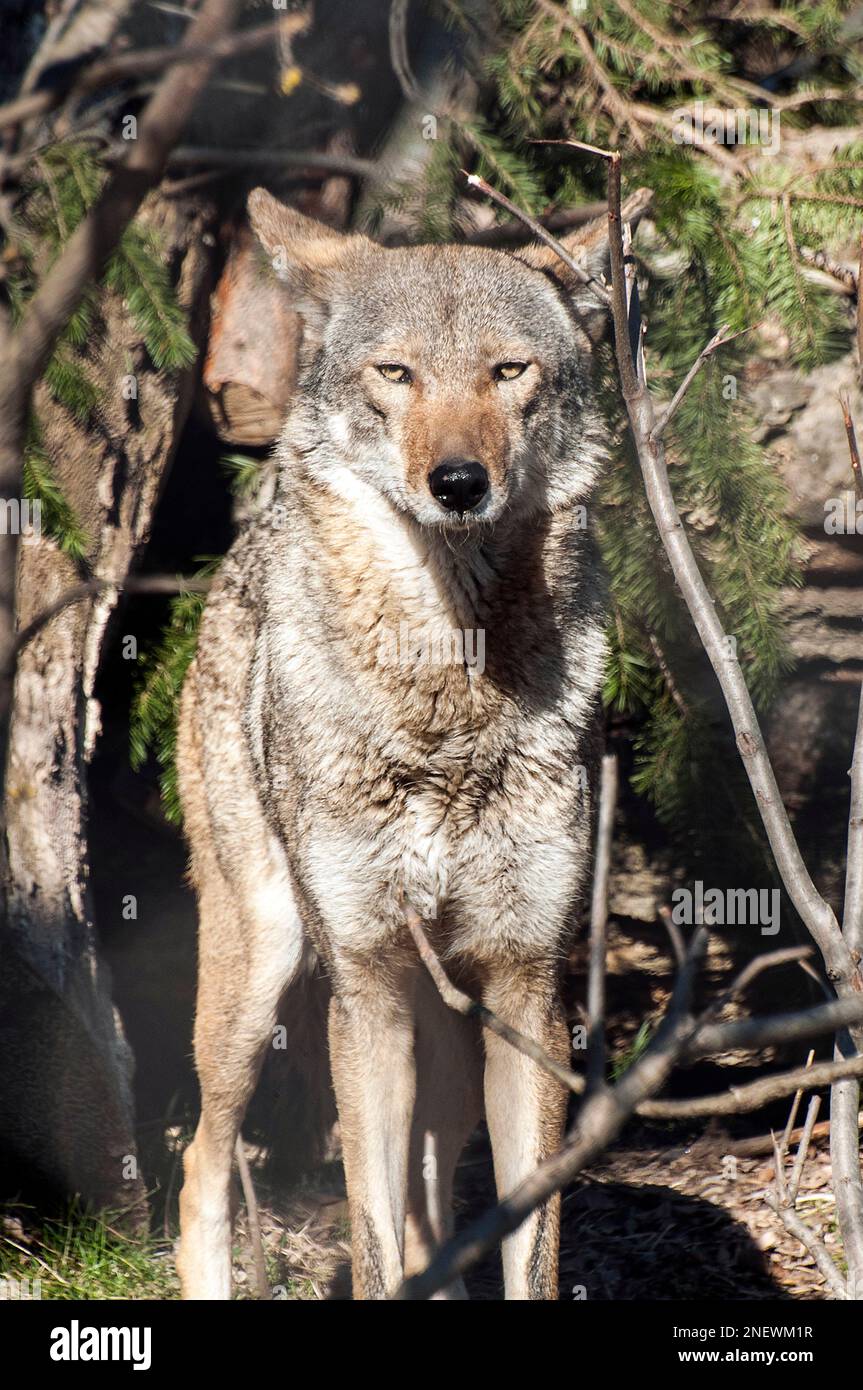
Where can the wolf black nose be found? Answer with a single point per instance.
(459, 484)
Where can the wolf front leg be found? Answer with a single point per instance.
(526, 1113)
(372, 1058)
(248, 957)
(449, 1064)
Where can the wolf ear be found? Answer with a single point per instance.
(304, 253)
(588, 246)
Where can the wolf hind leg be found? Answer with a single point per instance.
(449, 1065)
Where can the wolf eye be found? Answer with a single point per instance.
(508, 371)
(394, 371)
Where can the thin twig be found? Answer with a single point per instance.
(633, 304)
(470, 1008)
(675, 935)
(717, 341)
(803, 1149)
(853, 450)
(515, 232)
(768, 960)
(792, 1115)
(780, 1150)
(264, 1290)
(779, 1169)
(599, 922)
(540, 232)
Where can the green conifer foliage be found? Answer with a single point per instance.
(723, 248)
(153, 724)
(64, 182)
(155, 708)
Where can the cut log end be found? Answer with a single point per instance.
(244, 416)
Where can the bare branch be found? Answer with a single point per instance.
(145, 584)
(761, 1143)
(853, 450)
(705, 1037)
(845, 1161)
(717, 341)
(675, 935)
(598, 922)
(325, 161)
(599, 1122)
(470, 1008)
(789, 1129)
(515, 232)
(749, 1034)
(541, 234)
(739, 1100)
(755, 967)
(125, 67)
(807, 1237)
(803, 1149)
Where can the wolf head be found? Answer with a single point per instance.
(453, 380)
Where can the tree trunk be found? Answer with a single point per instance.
(65, 1100)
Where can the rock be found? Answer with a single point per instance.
(813, 451)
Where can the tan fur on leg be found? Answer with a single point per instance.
(526, 1112)
(449, 1106)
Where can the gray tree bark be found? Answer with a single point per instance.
(65, 1084)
